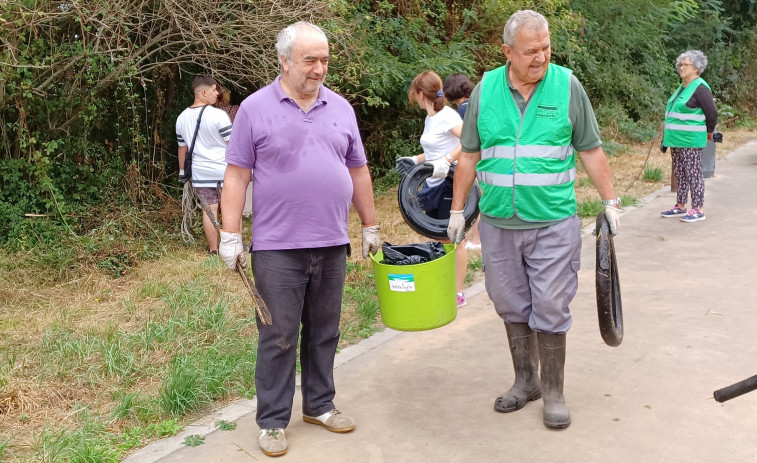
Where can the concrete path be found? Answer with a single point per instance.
(690, 312)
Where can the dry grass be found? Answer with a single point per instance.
(31, 398)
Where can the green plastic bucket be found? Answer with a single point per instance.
(417, 297)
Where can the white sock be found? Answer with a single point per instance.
(323, 418)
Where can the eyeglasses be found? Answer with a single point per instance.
(683, 65)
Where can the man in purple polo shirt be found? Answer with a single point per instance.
(302, 142)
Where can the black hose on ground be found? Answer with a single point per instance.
(413, 214)
(735, 390)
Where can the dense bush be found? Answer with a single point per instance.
(89, 94)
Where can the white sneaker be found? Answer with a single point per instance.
(472, 247)
(273, 442)
(334, 421)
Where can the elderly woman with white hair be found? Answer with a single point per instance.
(690, 118)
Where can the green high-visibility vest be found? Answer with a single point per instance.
(685, 127)
(527, 165)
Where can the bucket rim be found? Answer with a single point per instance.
(453, 247)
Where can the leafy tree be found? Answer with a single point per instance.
(398, 39)
(90, 90)
(710, 28)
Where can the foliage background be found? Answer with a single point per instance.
(90, 90)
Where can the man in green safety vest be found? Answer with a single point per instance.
(524, 122)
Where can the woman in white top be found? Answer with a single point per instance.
(441, 148)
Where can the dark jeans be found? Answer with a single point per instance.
(299, 286)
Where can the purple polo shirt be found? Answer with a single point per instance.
(302, 189)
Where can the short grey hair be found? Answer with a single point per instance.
(287, 37)
(529, 18)
(698, 59)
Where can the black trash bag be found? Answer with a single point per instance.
(409, 254)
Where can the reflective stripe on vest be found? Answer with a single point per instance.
(508, 152)
(687, 117)
(527, 162)
(506, 180)
(685, 127)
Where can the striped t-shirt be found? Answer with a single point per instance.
(209, 155)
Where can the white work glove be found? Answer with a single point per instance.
(441, 167)
(182, 178)
(613, 219)
(231, 249)
(456, 227)
(371, 241)
(405, 163)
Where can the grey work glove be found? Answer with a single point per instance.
(441, 167)
(371, 241)
(456, 227)
(231, 249)
(405, 163)
(613, 219)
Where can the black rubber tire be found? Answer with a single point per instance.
(609, 304)
(411, 211)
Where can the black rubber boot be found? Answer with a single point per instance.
(552, 356)
(525, 352)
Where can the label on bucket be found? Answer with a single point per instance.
(402, 283)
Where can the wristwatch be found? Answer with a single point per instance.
(612, 202)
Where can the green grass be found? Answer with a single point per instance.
(362, 294)
(194, 440)
(125, 405)
(136, 408)
(89, 442)
(3, 445)
(653, 173)
(137, 436)
(475, 262)
(212, 357)
(585, 182)
(205, 374)
(224, 425)
(628, 201)
(592, 207)
(155, 289)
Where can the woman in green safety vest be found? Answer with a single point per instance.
(690, 118)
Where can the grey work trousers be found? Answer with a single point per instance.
(300, 287)
(532, 275)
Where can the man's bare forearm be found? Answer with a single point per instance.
(235, 183)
